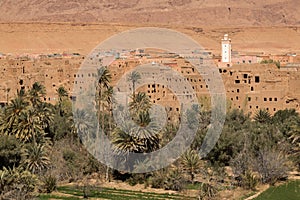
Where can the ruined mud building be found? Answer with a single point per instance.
(250, 87)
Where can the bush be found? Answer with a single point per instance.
(10, 151)
(69, 156)
(249, 181)
(137, 179)
(207, 190)
(49, 184)
(17, 184)
(174, 181)
(271, 165)
(158, 180)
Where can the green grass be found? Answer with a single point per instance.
(109, 193)
(288, 191)
(195, 186)
(247, 195)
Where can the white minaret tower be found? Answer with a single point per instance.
(226, 49)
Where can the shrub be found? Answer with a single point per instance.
(207, 190)
(157, 180)
(174, 181)
(249, 181)
(271, 165)
(17, 184)
(69, 156)
(49, 184)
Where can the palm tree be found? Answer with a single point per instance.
(45, 114)
(82, 125)
(12, 113)
(29, 127)
(35, 94)
(262, 116)
(191, 163)
(35, 157)
(139, 103)
(62, 94)
(134, 77)
(103, 84)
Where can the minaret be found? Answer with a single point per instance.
(226, 49)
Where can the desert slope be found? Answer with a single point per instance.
(174, 12)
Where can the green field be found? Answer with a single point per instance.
(288, 191)
(75, 193)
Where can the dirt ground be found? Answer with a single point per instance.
(36, 38)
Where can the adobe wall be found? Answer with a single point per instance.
(248, 86)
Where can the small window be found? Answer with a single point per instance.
(256, 79)
(265, 99)
(270, 99)
(249, 98)
(275, 99)
(237, 81)
(252, 89)
(237, 98)
(238, 90)
(245, 75)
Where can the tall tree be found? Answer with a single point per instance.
(103, 84)
(36, 93)
(12, 114)
(134, 77)
(191, 163)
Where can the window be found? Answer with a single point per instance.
(265, 99)
(249, 98)
(270, 99)
(252, 89)
(237, 98)
(238, 90)
(256, 79)
(245, 75)
(237, 81)
(275, 99)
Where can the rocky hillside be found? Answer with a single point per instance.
(174, 12)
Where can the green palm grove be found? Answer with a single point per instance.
(39, 145)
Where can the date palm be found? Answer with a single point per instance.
(36, 93)
(45, 114)
(103, 84)
(191, 163)
(262, 116)
(62, 94)
(134, 77)
(35, 157)
(12, 113)
(83, 125)
(29, 127)
(140, 103)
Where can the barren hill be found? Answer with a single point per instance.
(174, 12)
